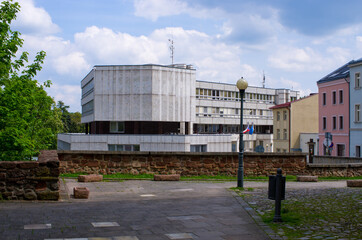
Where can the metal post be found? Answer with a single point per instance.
(241, 143)
(278, 196)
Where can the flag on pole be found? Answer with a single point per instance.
(246, 129)
(251, 130)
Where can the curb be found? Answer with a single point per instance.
(267, 230)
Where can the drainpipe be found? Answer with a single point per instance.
(349, 116)
(290, 125)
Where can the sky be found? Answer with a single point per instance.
(294, 43)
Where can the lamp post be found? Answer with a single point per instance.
(241, 84)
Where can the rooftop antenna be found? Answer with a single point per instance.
(172, 48)
(263, 79)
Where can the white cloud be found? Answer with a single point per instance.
(153, 9)
(34, 20)
(72, 64)
(306, 59)
(69, 94)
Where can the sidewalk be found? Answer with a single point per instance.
(133, 210)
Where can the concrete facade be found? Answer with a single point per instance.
(355, 123)
(334, 112)
(163, 108)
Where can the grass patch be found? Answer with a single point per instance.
(313, 213)
(339, 178)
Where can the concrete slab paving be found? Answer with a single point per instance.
(208, 211)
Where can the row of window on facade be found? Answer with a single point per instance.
(334, 98)
(334, 123)
(230, 129)
(284, 115)
(285, 134)
(231, 112)
(234, 95)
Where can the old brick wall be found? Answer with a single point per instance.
(335, 170)
(186, 164)
(31, 180)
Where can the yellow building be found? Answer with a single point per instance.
(291, 119)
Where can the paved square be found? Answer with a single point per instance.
(133, 210)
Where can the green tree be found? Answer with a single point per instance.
(71, 121)
(29, 121)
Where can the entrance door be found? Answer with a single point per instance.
(340, 149)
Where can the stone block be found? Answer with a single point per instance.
(28, 165)
(30, 195)
(7, 165)
(307, 178)
(354, 183)
(48, 195)
(172, 177)
(2, 176)
(81, 192)
(90, 178)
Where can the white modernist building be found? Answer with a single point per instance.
(163, 108)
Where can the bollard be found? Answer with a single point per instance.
(276, 192)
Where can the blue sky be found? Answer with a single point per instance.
(295, 43)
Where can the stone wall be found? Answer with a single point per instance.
(335, 170)
(186, 164)
(30, 180)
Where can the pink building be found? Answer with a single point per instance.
(334, 113)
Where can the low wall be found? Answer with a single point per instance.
(335, 160)
(30, 180)
(186, 164)
(335, 170)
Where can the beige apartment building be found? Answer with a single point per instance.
(292, 119)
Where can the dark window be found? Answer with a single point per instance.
(340, 150)
(340, 96)
(324, 98)
(358, 151)
(334, 97)
(324, 122)
(340, 122)
(334, 122)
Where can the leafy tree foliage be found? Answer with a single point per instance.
(71, 121)
(29, 121)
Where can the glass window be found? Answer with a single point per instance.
(358, 151)
(324, 98)
(357, 78)
(324, 123)
(278, 116)
(340, 96)
(116, 127)
(334, 122)
(284, 115)
(340, 122)
(357, 113)
(278, 133)
(334, 97)
(285, 135)
(198, 148)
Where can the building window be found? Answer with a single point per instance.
(358, 151)
(278, 149)
(124, 147)
(357, 113)
(324, 123)
(278, 133)
(117, 127)
(324, 100)
(334, 122)
(198, 148)
(285, 134)
(284, 115)
(278, 115)
(340, 150)
(340, 96)
(334, 97)
(88, 108)
(357, 79)
(340, 122)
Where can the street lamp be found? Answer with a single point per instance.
(241, 84)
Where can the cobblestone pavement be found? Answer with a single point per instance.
(132, 210)
(337, 209)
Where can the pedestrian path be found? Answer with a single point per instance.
(133, 210)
